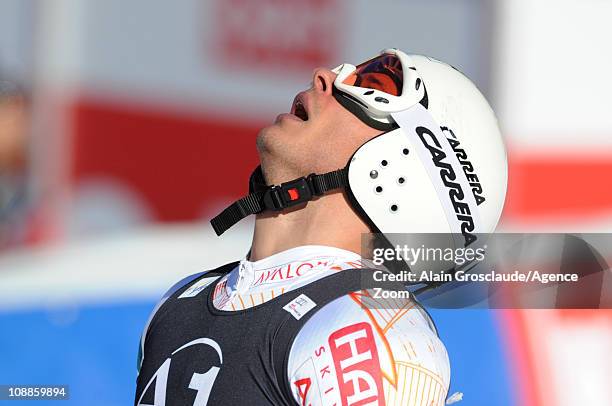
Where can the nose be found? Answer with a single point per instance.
(323, 79)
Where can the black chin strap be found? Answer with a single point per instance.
(277, 198)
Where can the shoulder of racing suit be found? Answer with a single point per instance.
(359, 349)
(214, 274)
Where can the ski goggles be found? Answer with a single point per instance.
(375, 89)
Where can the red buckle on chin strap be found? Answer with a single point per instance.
(293, 194)
(276, 198)
(288, 194)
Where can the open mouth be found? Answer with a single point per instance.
(299, 110)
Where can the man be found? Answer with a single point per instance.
(14, 116)
(397, 144)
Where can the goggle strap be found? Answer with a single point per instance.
(277, 198)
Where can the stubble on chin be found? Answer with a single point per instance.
(272, 157)
(262, 141)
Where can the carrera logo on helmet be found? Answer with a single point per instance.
(448, 176)
(468, 168)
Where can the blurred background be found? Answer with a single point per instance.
(125, 126)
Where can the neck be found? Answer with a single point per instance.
(328, 221)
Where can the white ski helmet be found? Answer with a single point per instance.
(439, 167)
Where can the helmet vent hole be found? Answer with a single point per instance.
(417, 85)
(405, 151)
(401, 180)
(379, 189)
(369, 92)
(381, 100)
(384, 162)
(373, 174)
(394, 208)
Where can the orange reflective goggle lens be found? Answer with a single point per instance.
(382, 73)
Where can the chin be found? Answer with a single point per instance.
(276, 138)
(279, 160)
(265, 139)
(270, 145)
